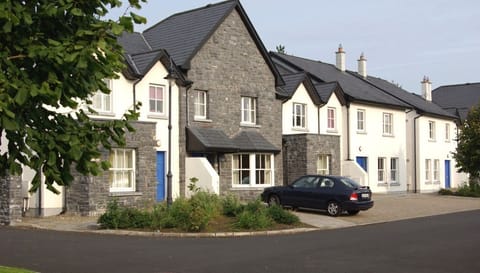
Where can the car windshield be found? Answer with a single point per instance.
(350, 183)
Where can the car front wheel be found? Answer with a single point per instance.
(333, 208)
(273, 200)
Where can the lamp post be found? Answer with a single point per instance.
(171, 77)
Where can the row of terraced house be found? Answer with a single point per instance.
(242, 119)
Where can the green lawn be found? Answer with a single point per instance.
(4, 269)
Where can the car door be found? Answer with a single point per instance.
(325, 192)
(300, 192)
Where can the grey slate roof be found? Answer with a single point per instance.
(325, 90)
(458, 98)
(209, 140)
(354, 88)
(292, 81)
(183, 33)
(252, 141)
(418, 102)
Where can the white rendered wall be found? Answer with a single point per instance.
(200, 168)
(372, 143)
(300, 96)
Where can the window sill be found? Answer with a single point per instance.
(157, 116)
(432, 140)
(126, 193)
(250, 125)
(382, 184)
(250, 187)
(387, 135)
(395, 184)
(428, 183)
(299, 129)
(436, 182)
(361, 132)
(332, 131)
(202, 120)
(104, 114)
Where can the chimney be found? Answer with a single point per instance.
(362, 66)
(340, 58)
(426, 89)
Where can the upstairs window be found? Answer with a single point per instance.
(431, 130)
(331, 118)
(249, 112)
(447, 132)
(388, 124)
(361, 120)
(102, 102)
(157, 99)
(200, 104)
(299, 115)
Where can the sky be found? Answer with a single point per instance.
(402, 40)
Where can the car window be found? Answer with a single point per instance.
(350, 183)
(327, 183)
(306, 182)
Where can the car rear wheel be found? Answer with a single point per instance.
(273, 200)
(333, 208)
(353, 212)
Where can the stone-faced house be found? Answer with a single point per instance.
(312, 126)
(373, 140)
(230, 115)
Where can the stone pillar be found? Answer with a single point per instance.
(10, 200)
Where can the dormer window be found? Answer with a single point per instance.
(299, 115)
(156, 99)
(101, 102)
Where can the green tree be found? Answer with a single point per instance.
(54, 55)
(468, 146)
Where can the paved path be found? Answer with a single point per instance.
(387, 208)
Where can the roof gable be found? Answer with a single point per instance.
(183, 34)
(293, 82)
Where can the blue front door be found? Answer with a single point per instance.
(447, 174)
(362, 161)
(160, 176)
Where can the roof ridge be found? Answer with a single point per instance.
(145, 40)
(189, 11)
(457, 84)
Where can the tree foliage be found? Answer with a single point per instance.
(468, 146)
(55, 55)
(281, 49)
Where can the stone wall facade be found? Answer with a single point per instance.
(301, 153)
(227, 67)
(10, 199)
(90, 195)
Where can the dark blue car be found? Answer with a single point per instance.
(335, 194)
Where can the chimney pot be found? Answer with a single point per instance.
(362, 66)
(426, 89)
(340, 56)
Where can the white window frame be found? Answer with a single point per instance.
(382, 170)
(361, 120)
(300, 113)
(101, 102)
(200, 105)
(331, 118)
(122, 170)
(428, 170)
(249, 110)
(323, 164)
(157, 101)
(258, 173)
(436, 170)
(431, 130)
(394, 169)
(387, 124)
(447, 132)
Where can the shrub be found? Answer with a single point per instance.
(281, 216)
(124, 217)
(110, 219)
(445, 192)
(253, 220)
(231, 207)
